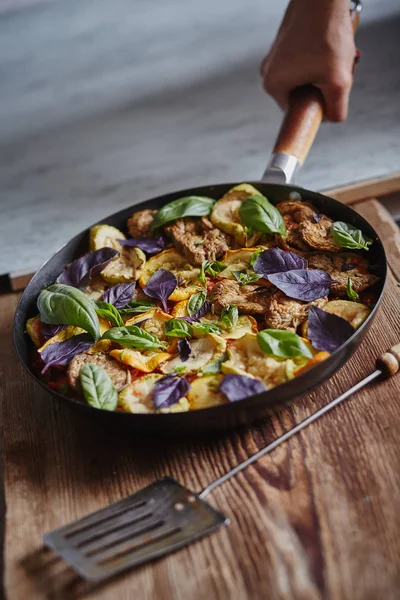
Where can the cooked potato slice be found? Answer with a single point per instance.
(206, 349)
(172, 261)
(354, 312)
(146, 361)
(247, 358)
(105, 236)
(225, 214)
(33, 329)
(205, 392)
(127, 266)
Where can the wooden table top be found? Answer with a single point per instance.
(319, 518)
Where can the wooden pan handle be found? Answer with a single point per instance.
(389, 362)
(302, 121)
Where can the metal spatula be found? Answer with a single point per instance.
(165, 516)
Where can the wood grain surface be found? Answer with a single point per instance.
(317, 519)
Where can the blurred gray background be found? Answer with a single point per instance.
(106, 103)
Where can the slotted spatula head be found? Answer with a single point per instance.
(159, 519)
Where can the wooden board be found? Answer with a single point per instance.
(317, 519)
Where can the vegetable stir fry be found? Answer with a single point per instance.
(202, 303)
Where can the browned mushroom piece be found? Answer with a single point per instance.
(140, 222)
(294, 212)
(249, 299)
(342, 266)
(287, 313)
(198, 239)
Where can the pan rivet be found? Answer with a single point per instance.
(179, 506)
(191, 499)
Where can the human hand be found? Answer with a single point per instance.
(315, 44)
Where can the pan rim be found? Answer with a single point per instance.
(247, 402)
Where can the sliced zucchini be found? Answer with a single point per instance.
(96, 288)
(237, 260)
(354, 312)
(206, 349)
(127, 266)
(181, 406)
(105, 236)
(205, 393)
(225, 214)
(137, 397)
(172, 261)
(146, 362)
(245, 324)
(33, 329)
(247, 358)
(153, 322)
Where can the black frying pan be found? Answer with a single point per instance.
(294, 140)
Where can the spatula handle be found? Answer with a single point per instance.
(300, 125)
(387, 365)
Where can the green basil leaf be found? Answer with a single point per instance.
(137, 307)
(204, 328)
(259, 214)
(214, 367)
(282, 344)
(254, 256)
(61, 304)
(132, 336)
(190, 206)
(109, 312)
(348, 236)
(351, 292)
(212, 268)
(244, 277)
(196, 301)
(178, 328)
(230, 316)
(98, 389)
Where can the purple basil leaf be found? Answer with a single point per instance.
(48, 331)
(326, 331)
(303, 284)
(206, 308)
(169, 390)
(239, 387)
(317, 217)
(184, 349)
(275, 260)
(148, 245)
(160, 286)
(79, 271)
(61, 353)
(120, 295)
